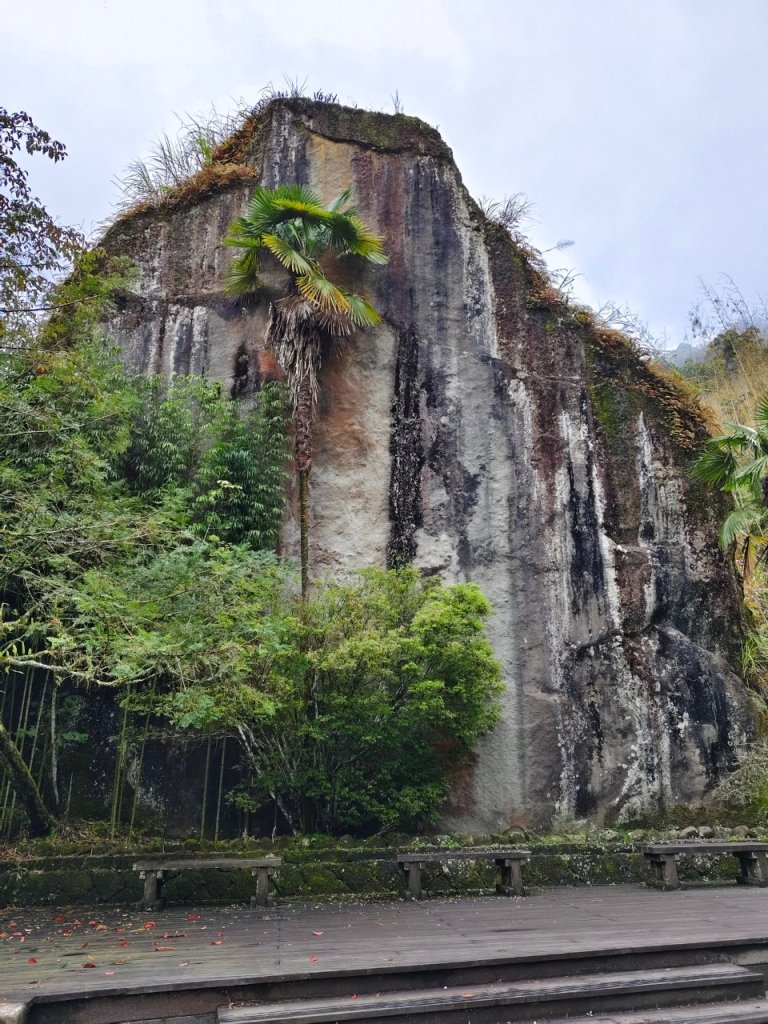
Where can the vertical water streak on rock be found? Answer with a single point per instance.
(407, 453)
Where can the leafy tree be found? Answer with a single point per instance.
(362, 701)
(737, 462)
(225, 460)
(32, 245)
(73, 508)
(315, 312)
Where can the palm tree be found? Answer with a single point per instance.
(314, 313)
(738, 463)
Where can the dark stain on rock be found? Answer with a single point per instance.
(407, 450)
(245, 374)
(182, 349)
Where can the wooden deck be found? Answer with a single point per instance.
(48, 955)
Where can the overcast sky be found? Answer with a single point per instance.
(636, 127)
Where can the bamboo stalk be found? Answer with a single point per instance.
(139, 773)
(205, 788)
(118, 780)
(18, 741)
(221, 786)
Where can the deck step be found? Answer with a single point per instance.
(751, 1011)
(619, 990)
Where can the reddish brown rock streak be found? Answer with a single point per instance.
(486, 434)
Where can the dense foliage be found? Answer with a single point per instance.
(139, 548)
(379, 689)
(99, 471)
(138, 552)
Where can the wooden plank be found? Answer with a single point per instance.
(754, 1011)
(444, 855)
(360, 940)
(200, 864)
(650, 849)
(539, 990)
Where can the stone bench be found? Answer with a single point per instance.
(753, 863)
(154, 874)
(509, 862)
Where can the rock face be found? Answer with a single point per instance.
(486, 431)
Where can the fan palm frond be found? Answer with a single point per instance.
(717, 463)
(761, 415)
(320, 290)
(288, 255)
(242, 277)
(361, 312)
(749, 518)
(343, 203)
(752, 472)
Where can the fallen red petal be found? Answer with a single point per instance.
(318, 933)
(313, 959)
(31, 960)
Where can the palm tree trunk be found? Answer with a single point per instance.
(41, 821)
(304, 531)
(303, 442)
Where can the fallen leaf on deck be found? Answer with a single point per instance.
(313, 959)
(163, 949)
(124, 943)
(89, 965)
(101, 927)
(217, 942)
(353, 997)
(149, 924)
(85, 945)
(318, 933)
(109, 972)
(468, 995)
(91, 923)
(192, 917)
(184, 963)
(31, 960)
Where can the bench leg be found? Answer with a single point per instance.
(511, 878)
(413, 874)
(261, 899)
(153, 886)
(665, 872)
(753, 868)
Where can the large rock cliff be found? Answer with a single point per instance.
(486, 431)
